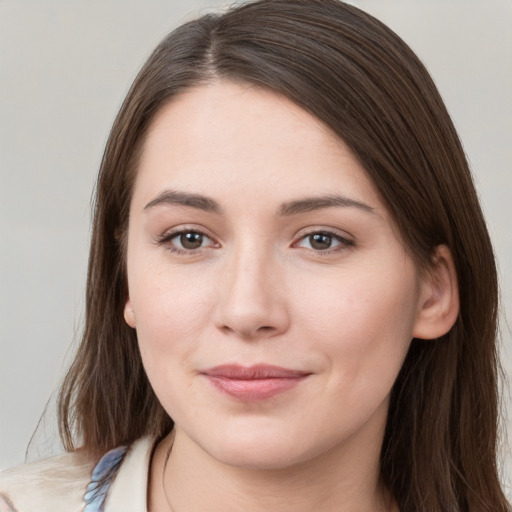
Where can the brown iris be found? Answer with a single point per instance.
(191, 240)
(320, 241)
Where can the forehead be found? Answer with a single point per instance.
(223, 137)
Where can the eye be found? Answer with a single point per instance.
(186, 241)
(190, 240)
(323, 241)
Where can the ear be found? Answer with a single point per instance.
(129, 314)
(438, 306)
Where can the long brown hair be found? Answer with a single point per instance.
(361, 80)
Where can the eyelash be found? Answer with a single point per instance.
(344, 243)
(168, 237)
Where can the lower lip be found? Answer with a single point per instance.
(255, 389)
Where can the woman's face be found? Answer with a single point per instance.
(273, 299)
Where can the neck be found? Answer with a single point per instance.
(341, 480)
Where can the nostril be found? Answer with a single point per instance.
(247, 332)
(249, 318)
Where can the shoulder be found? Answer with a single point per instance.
(77, 482)
(55, 484)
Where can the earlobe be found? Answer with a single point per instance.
(129, 314)
(438, 305)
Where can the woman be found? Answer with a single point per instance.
(292, 296)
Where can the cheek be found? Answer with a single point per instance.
(169, 326)
(170, 312)
(370, 297)
(363, 322)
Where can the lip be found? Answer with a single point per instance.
(252, 383)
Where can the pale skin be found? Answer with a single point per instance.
(255, 236)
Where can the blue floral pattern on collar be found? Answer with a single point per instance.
(101, 479)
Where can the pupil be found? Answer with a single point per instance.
(191, 240)
(320, 241)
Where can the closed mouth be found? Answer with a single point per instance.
(255, 382)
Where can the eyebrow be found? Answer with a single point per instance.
(308, 204)
(173, 197)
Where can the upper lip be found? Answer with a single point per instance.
(258, 371)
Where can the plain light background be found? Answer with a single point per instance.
(65, 67)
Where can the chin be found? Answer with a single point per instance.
(259, 451)
(256, 459)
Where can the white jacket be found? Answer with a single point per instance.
(59, 484)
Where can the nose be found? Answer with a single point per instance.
(252, 296)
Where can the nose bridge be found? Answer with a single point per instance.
(250, 302)
(251, 264)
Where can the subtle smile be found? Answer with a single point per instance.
(253, 383)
